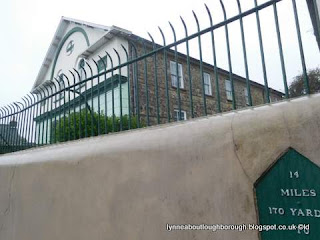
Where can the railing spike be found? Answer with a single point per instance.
(209, 14)
(163, 37)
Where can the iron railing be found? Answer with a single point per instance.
(151, 78)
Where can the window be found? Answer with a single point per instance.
(81, 65)
(207, 84)
(228, 90)
(177, 116)
(60, 79)
(102, 64)
(273, 99)
(81, 70)
(246, 95)
(173, 70)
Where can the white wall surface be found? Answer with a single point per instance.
(130, 185)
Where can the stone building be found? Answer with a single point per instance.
(209, 78)
(10, 138)
(80, 50)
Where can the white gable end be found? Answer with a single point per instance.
(72, 38)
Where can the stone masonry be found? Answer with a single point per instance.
(142, 75)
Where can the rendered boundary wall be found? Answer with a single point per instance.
(128, 186)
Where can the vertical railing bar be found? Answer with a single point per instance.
(245, 59)
(69, 118)
(11, 140)
(145, 71)
(55, 111)
(9, 125)
(165, 63)
(44, 114)
(48, 114)
(80, 102)
(189, 70)
(7, 113)
(218, 99)
(98, 84)
(201, 66)
(16, 119)
(155, 79)
(27, 120)
(74, 106)
(262, 54)
(20, 116)
(44, 99)
(59, 121)
(112, 92)
(92, 108)
(5, 127)
(64, 107)
(284, 75)
(2, 132)
(51, 112)
(177, 69)
(38, 110)
(85, 102)
(129, 85)
(303, 62)
(30, 119)
(8, 129)
(120, 87)
(283, 68)
(234, 104)
(33, 117)
(24, 124)
(105, 95)
(136, 85)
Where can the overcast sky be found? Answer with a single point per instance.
(28, 28)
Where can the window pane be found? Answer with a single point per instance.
(207, 84)
(173, 68)
(173, 71)
(228, 85)
(174, 81)
(228, 89)
(246, 96)
(180, 70)
(102, 64)
(183, 115)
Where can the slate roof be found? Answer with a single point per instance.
(9, 136)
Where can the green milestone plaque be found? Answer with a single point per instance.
(288, 197)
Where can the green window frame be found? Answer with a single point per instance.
(207, 84)
(228, 89)
(102, 63)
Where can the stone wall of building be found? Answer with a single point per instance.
(257, 90)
